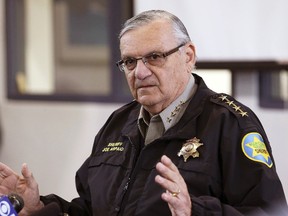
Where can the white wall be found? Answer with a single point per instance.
(55, 138)
(250, 30)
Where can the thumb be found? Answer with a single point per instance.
(27, 174)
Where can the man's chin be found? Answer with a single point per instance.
(146, 100)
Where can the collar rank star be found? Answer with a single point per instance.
(190, 149)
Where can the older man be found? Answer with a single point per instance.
(178, 148)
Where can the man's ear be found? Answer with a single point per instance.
(190, 53)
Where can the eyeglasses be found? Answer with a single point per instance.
(153, 59)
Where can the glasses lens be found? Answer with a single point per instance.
(154, 59)
(130, 63)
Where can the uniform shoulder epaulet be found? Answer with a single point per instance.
(231, 104)
(254, 144)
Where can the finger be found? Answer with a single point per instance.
(167, 162)
(7, 175)
(25, 171)
(172, 200)
(167, 178)
(27, 175)
(170, 178)
(6, 171)
(163, 170)
(175, 175)
(8, 179)
(167, 185)
(167, 169)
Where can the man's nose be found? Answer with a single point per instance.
(141, 69)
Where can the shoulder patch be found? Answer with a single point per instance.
(254, 148)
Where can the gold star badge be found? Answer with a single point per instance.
(190, 149)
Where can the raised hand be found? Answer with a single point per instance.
(25, 185)
(176, 194)
(8, 180)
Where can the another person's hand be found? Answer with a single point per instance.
(25, 185)
(176, 195)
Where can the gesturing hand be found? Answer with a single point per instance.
(176, 194)
(25, 185)
(8, 180)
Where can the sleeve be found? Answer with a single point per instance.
(74, 208)
(211, 206)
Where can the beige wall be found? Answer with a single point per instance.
(55, 138)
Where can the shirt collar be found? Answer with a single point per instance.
(171, 114)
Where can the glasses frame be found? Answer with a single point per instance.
(121, 65)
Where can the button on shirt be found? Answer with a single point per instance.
(153, 127)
